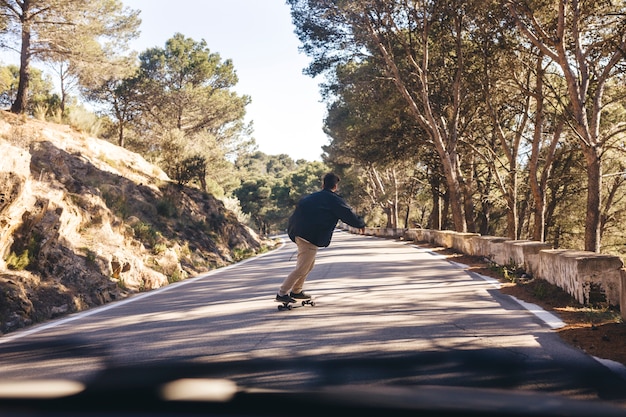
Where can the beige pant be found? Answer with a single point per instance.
(304, 264)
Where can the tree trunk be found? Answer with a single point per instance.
(120, 135)
(434, 220)
(572, 49)
(468, 202)
(395, 203)
(538, 193)
(539, 199)
(444, 142)
(455, 198)
(63, 92)
(445, 211)
(511, 151)
(406, 216)
(523, 227)
(21, 98)
(511, 202)
(539, 182)
(594, 187)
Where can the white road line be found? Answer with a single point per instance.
(96, 310)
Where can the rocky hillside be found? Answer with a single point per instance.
(84, 222)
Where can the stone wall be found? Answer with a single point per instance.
(587, 276)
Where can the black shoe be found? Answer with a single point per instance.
(284, 298)
(300, 295)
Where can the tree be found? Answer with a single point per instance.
(272, 185)
(9, 78)
(254, 197)
(505, 90)
(550, 124)
(185, 88)
(177, 108)
(408, 39)
(81, 32)
(120, 97)
(41, 97)
(587, 41)
(490, 124)
(304, 179)
(370, 126)
(67, 82)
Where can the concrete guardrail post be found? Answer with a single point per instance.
(462, 242)
(583, 275)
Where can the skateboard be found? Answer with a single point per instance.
(287, 305)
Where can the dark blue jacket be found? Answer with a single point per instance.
(316, 216)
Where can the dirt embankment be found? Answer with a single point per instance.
(84, 222)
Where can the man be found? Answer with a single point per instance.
(311, 226)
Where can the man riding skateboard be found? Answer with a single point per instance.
(311, 226)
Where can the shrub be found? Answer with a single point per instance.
(146, 233)
(18, 263)
(166, 208)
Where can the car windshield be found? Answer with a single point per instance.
(319, 207)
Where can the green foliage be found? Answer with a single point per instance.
(159, 248)
(42, 102)
(241, 254)
(8, 84)
(166, 207)
(193, 167)
(91, 256)
(510, 272)
(477, 131)
(40, 30)
(118, 98)
(600, 314)
(198, 122)
(28, 252)
(18, 263)
(271, 187)
(121, 284)
(117, 203)
(369, 121)
(233, 205)
(83, 120)
(175, 276)
(192, 86)
(146, 233)
(176, 105)
(541, 290)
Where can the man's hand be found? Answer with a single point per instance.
(362, 231)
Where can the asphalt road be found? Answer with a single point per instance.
(395, 312)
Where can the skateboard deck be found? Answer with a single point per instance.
(287, 305)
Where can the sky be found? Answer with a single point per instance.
(258, 36)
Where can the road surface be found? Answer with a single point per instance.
(386, 303)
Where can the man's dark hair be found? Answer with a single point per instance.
(330, 180)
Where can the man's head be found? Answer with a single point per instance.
(330, 181)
